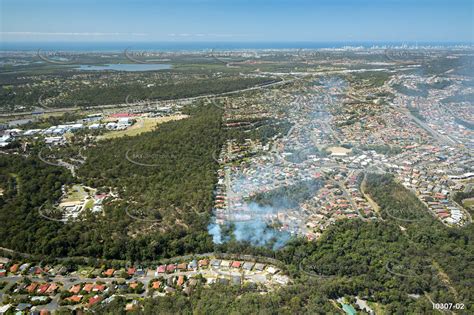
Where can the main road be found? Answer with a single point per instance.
(138, 103)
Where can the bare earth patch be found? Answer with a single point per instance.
(143, 124)
(339, 151)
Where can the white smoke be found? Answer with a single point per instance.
(269, 224)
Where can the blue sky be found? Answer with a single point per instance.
(237, 20)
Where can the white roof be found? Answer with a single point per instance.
(31, 131)
(5, 308)
(272, 270)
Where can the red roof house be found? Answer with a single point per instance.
(31, 288)
(236, 264)
(14, 268)
(170, 268)
(75, 289)
(161, 269)
(203, 262)
(182, 266)
(42, 288)
(180, 281)
(74, 298)
(88, 287)
(94, 300)
(52, 288)
(99, 288)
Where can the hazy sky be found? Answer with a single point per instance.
(237, 20)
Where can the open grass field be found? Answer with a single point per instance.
(85, 271)
(468, 203)
(142, 125)
(89, 204)
(75, 194)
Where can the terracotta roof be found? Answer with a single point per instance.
(14, 268)
(236, 264)
(42, 288)
(93, 300)
(88, 287)
(75, 288)
(99, 287)
(31, 287)
(75, 298)
(180, 280)
(52, 288)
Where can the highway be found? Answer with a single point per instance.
(141, 103)
(441, 138)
